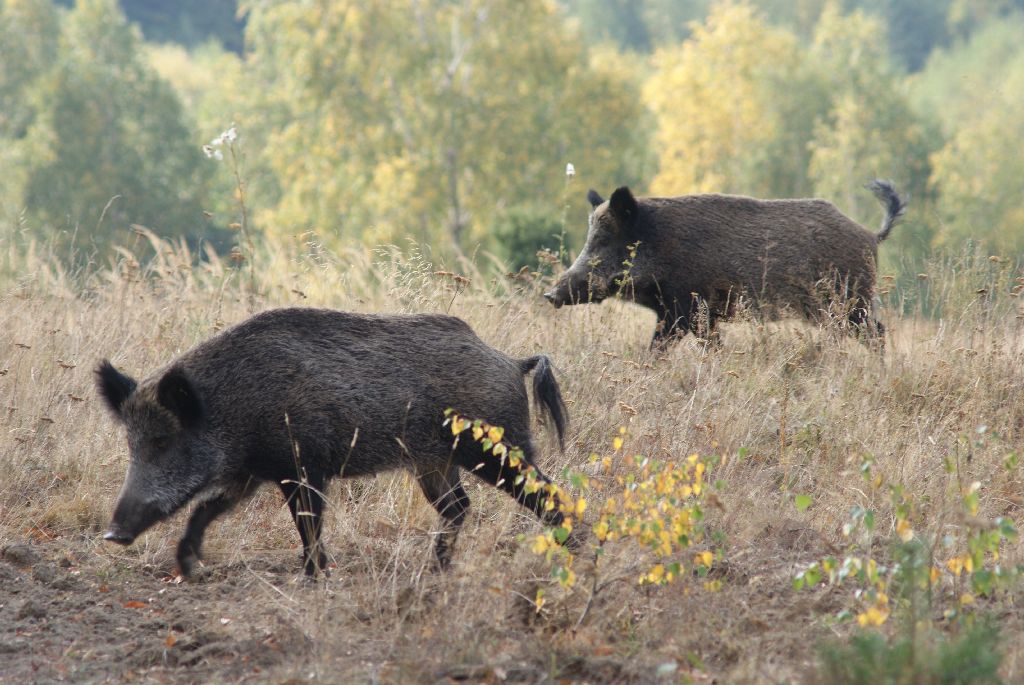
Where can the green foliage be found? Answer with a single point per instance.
(522, 231)
(29, 36)
(921, 651)
(638, 25)
(957, 82)
(768, 116)
(104, 145)
(737, 74)
(975, 91)
(869, 129)
(429, 123)
(972, 657)
(965, 16)
(188, 22)
(618, 21)
(449, 125)
(972, 558)
(209, 83)
(914, 27)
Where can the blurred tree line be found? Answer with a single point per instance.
(92, 141)
(450, 122)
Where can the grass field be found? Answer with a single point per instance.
(789, 415)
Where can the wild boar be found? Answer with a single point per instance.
(691, 258)
(300, 396)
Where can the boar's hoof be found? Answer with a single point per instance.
(443, 553)
(311, 567)
(187, 565)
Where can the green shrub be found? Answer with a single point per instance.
(522, 231)
(969, 658)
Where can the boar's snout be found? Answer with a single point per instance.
(575, 290)
(132, 517)
(119, 536)
(551, 297)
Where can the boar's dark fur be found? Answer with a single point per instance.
(342, 395)
(696, 255)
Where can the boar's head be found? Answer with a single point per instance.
(599, 270)
(170, 460)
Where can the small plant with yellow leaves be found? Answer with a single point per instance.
(551, 542)
(921, 649)
(656, 506)
(915, 569)
(978, 570)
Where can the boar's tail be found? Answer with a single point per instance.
(547, 393)
(895, 206)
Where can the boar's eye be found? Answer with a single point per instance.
(162, 442)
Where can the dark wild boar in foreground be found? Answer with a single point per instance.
(696, 255)
(344, 394)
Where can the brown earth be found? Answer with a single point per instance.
(75, 609)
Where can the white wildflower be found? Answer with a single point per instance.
(212, 153)
(570, 170)
(228, 137)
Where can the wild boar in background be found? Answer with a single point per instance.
(295, 395)
(691, 258)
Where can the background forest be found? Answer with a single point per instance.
(450, 123)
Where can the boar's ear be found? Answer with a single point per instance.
(177, 394)
(114, 386)
(623, 206)
(594, 198)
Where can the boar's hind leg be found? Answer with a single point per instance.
(307, 506)
(191, 543)
(443, 489)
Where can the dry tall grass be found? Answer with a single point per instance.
(803, 406)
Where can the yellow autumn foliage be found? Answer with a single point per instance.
(716, 102)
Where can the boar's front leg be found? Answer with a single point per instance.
(666, 331)
(305, 500)
(867, 329)
(672, 324)
(443, 489)
(190, 546)
(675, 322)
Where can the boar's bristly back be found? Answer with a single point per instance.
(547, 393)
(114, 386)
